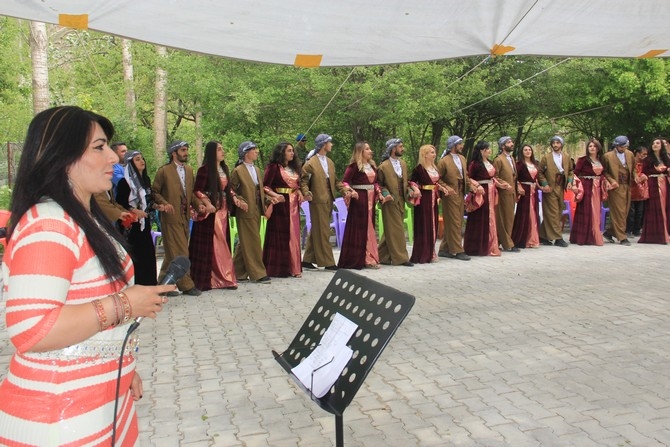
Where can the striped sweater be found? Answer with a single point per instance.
(66, 396)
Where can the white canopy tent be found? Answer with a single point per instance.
(370, 32)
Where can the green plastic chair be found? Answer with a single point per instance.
(408, 221)
(232, 228)
(264, 224)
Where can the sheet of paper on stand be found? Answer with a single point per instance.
(319, 371)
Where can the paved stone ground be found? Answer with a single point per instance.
(549, 347)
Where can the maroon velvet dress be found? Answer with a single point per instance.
(425, 216)
(481, 236)
(209, 246)
(657, 208)
(359, 244)
(527, 217)
(585, 228)
(281, 250)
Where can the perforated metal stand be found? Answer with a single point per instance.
(377, 309)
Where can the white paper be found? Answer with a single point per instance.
(319, 371)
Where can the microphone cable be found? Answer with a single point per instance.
(131, 329)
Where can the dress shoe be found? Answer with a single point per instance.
(332, 268)
(193, 292)
(231, 288)
(511, 250)
(545, 242)
(263, 280)
(444, 254)
(608, 237)
(560, 243)
(408, 264)
(172, 293)
(625, 242)
(309, 266)
(461, 256)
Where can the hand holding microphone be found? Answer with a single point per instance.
(176, 270)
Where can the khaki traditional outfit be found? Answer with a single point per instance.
(392, 247)
(506, 171)
(619, 198)
(556, 177)
(170, 188)
(453, 205)
(322, 187)
(248, 258)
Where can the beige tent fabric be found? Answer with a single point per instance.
(371, 32)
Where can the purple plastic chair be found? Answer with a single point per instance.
(341, 219)
(304, 207)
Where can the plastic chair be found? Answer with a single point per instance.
(232, 231)
(264, 225)
(304, 210)
(341, 221)
(380, 221)
(409, 222)
(155, 235)
(566, 212)
(603, 216)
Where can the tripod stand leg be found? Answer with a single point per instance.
(339, 431)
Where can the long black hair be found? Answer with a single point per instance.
(56, 139)
(476, 154)
(599, 154)
(664, 157)
(214, 191)
(520, 157)
(279, 156)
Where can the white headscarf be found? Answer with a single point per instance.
(138, 194)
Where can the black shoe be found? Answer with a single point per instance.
(239, 280)
(560, 243)
(461, 256)
(172, 293)
(193, 292)
(636, 233)
(309, 266)
(332, 268)
(444, 254)
(625, 242)
(263, 280)
(545, 242)
(408, 264)
(608, 237)
(511, 250)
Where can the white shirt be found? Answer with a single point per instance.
(396, 166)
(622, 157)
(511, 162)
(182, 177)
(324, 163)
(457, 162)
(252, 172)
(558, 160)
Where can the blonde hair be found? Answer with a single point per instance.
(423, 150)
(357, 155)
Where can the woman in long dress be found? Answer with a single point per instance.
(525, 232)
(133, 192)
(209, 246)
(481, 236)
(69, 293)
(586, 222)
(359, 244)
(281, 251)
(657, 209)
(426, 211)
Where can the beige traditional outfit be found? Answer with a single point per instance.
(506, 171)
(393, 181)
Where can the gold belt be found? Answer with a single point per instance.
(284, 190)
(428, 187)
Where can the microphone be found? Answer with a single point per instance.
(176, 270)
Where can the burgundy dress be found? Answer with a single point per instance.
(281, 250)
(481, 236)
(209, 246)
(425, 216)
(527, 218)
(586, 222)
(359, 244)
(657, 208)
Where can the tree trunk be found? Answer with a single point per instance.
(198, 135)
(39, 54)
(128, 80)
(160, 106)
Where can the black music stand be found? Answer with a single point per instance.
(377, 309)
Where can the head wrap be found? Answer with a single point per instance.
(137, 197)
(245, 147)
(320, 140)
(130, 155)
(390, 144)
(301, 137)
(503, 140)
(452, 141)
(557, 138)
(621, 140)
(176, 145)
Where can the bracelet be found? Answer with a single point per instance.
(127, 308)
(100, 313)
(118, 309)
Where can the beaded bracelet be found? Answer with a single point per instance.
(100, 312)
(127, 308)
